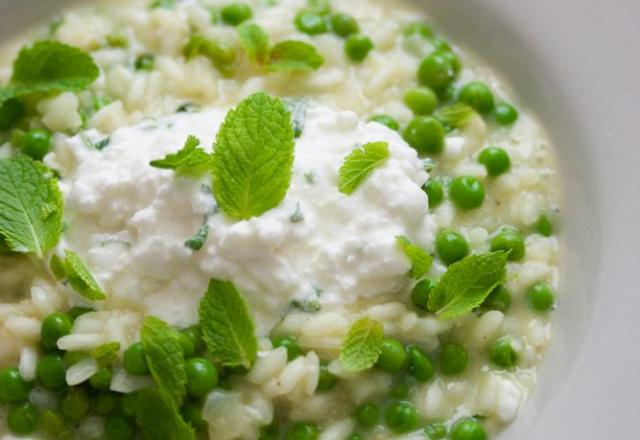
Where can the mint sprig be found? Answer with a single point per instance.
(255, 42)
(455, 115)
(159, 416)
(80, 278)
(467, 283)
(191, 160)
(50, 66)
(360, 164)
(253, 158)
(30, 206)
(362, 346)
(420, 260)
(227, 328)
(164, 355)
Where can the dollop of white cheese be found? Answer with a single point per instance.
(130, 221)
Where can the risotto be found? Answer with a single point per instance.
(275, 219)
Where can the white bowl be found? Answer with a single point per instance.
(576, 65)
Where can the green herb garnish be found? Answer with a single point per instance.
(255, 42)
(359, 164)
(294, 56)
(227, 328)
(165, 358)
(159, 416)
(467, 283)
(106, 354)
(253, 157)
(50, 66)
(362, 346)
(30, 206)
(419, 258)
(191, 160)
(80, 278)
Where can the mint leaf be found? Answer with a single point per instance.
(419, 258)
(50, 66)
(106, 354)
(362, 346)
(359, 164)
(167, 4)
(467, 283)
(455, 115)
(295, 56)
(255, 42)
(80, 278)
(190, 160)
(164, 355)
(159, 416)
(30, 206)
(227, 328)
(196, 242)
(253, 157)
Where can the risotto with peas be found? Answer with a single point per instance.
(272, 219)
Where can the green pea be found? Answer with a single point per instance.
(344, 25)
(192, 413)
(106, 403)
(425, 134)
(101, 380)
(451, 246)
(270, 432)
(466, 192)
(509, 239)
(505, 114)
(421, 292)
(311, 23)
(544, 226)
(53, 426)
(71, 358)
(75, 312)
(498, 299)
(36, 143)
(13, 388)
(11, 111)
(195, 335)
(135, 361)
(452, 58)
(293, 349)
(435, 192)
(303, 431)
(221, 54)
(367, 415)
(202, 376)
(357, 47)
(420, 365)
(421, 100)
(393, 357)
(540, 297)
(186, 343)
(440, 45)
(399, 389)
(478, 96)
(235, 13)
(503, 354)
(128, 403)
(401, 417)
(55, 326)
(326, 380)
(436, 72)
(50, 372)
(496, 160)
(119, 428)
(23, 419)
(436, 431)
(468, 429)
(453, 359)
(418, 28)
(145, 61)
(386, 120)
(75, 404)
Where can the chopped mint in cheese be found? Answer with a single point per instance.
(297, 216)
